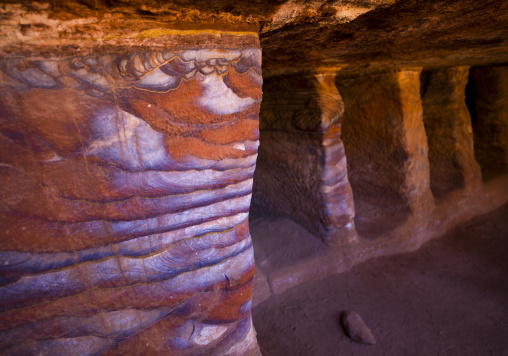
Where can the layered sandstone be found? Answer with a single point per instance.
(126, 185)
(393, 35)
(302, 171)
(129, 139)
(296, 35)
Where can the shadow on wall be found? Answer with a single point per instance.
(410, 163)
(408, 136)
(486, 95)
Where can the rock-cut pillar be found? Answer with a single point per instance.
(301, 172)
(489, 111)
(449, 131)
(126, 185)
(385, 139)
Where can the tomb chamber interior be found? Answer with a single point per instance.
(178, 177)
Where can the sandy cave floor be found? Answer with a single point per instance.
(448, 298)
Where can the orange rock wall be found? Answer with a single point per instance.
(301, 172)
(449, 131)
(385, 140)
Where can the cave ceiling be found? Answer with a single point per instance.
(295, 35)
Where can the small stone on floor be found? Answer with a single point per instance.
(356, 329)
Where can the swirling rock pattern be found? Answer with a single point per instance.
(301, 172)
(126, 185)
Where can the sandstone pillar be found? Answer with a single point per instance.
(489, 111)
(126, 184)
(449, 131)
(301, 172)
(385, 140)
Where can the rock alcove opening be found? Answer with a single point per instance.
(412, 148)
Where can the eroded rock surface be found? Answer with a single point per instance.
(129, 139)
(126, 185)
(302, 171)
(296, 35)
(409, 33)
(449, 131)
(385, 140)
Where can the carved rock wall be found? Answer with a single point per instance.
(301, 172)
(488, 102)
(129, 139)
(449, 131)
(385, 140)
(126, 185)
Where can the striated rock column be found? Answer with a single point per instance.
(301, 172)
(449, 131)
(126, 185)
(385, 139)
(489, 111)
